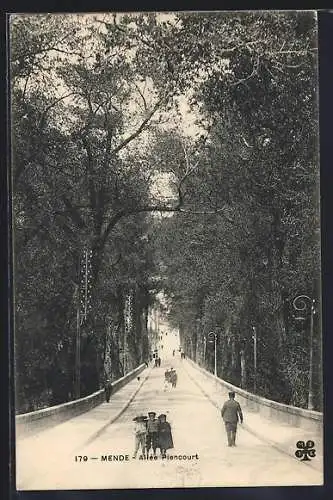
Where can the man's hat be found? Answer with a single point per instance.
(232, 394)
(162, 415)
(151, 413)
(140, 417)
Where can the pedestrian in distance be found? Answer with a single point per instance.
(173, 378)
(140, 434)
(231, 413)
(108, 390)
(152, 433)
(166, 379)
(165, 441)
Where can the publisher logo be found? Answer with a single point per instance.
(305, 451)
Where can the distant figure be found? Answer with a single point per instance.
(167, 380)
(165, 441)
(108, 390)
(173, 352)
(152, 432)
(173, 377)
(140, 433)
(158, 361)
(231, 412)
(138, 379)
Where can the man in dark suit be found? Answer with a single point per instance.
(231, 412)
(108, 390)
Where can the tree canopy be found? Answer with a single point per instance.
(183, 146)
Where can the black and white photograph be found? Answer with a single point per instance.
(166, 249)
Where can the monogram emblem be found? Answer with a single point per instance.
(305, 450)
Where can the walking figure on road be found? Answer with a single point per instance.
(173, 377)
(166, 379)
(140, 433)
(231, 413)
(152, 432)
(157, 361)
(107, 390)
(165, 441)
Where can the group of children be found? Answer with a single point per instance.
(152, 433)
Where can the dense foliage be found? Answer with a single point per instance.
(222, 213)
(241, 267)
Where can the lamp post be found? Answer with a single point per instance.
(77, 362)
(191, 347)
(305, 304)
(254, 337)
(211, 336)
(77, 352)
(205, 347)
(82, 309)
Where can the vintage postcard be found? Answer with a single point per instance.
(166, 249)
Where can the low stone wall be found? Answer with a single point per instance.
(308, 420)
(37, 420)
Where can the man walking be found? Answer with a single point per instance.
(231, 412)
(166, 379)
(107, 390)
(173, 377)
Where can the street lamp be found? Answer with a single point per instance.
(254, 337)
(306, 304)
(205, 347)
(192, 351)
(212, 337)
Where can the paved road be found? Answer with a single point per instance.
(48, 461)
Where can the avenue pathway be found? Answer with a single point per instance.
(51, 458)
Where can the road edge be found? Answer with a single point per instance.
(273, 444)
